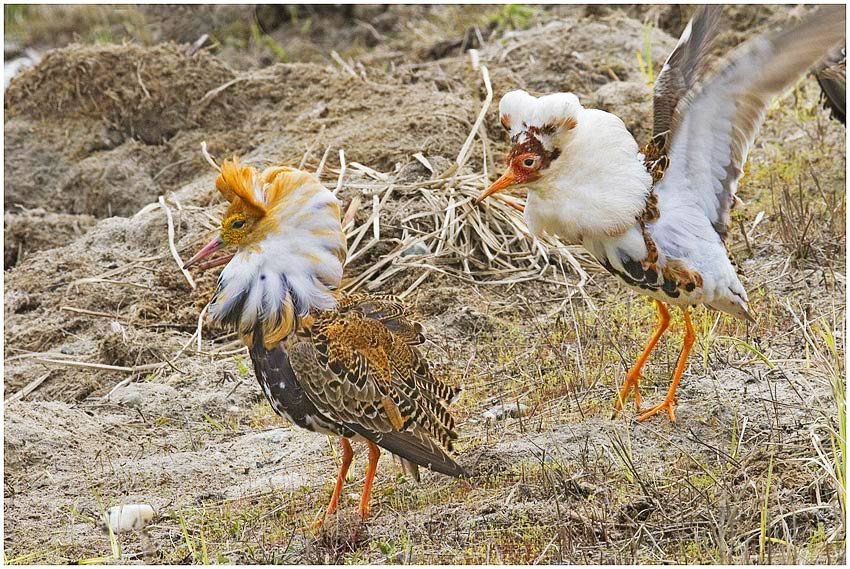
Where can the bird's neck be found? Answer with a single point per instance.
(597, 187)
(275, 291)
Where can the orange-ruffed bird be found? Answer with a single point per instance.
(337, 364)
(657, 218)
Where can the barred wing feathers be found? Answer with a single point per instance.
(684, 66)
(361, 366)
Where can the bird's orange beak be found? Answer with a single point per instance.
(508, 179)
(215, 245)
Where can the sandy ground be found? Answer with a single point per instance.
(98, 130)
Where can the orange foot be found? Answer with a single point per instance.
(666, 405)
(633, 375)
(630, 383)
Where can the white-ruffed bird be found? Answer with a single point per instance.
(657, 217)
(346, 365)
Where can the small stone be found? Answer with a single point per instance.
(418, 248)
(131, 398)
(128, 517)
(501, 412)
(273, 436)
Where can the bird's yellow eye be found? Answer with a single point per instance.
(235, 229)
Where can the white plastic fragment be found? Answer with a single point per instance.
(128, 517)
(500, 412)
(418, 248)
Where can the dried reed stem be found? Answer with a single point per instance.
(171, 244)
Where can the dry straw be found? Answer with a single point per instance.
(443, 233)
(489, 244)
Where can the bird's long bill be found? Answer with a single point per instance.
(508, 179)
(215, 245)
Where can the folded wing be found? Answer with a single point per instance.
(362, 368)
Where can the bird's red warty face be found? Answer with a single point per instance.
(526, 167)
(526, 161)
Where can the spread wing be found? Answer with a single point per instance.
(684, 65)
(832, 78)
(361, 367)
(718, 121)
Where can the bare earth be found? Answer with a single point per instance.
(101, 128)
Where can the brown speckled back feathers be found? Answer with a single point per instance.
(361, 365)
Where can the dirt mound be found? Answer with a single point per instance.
(142, 92)
(138, 115)
(578, 55)
(33, 230)
(105, 118)
(628, 100)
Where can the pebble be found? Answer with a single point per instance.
(500, 412)
(418, 248)
(131, 398)
(128, 517)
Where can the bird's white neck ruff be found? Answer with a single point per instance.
(598, 185)
(292, 271)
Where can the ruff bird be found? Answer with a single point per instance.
(331, 363)
(831, 75)
(657, 217)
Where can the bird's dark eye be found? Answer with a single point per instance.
(529, 162)
(238, 224)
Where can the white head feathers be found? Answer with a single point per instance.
(545, 116)
(592, 181)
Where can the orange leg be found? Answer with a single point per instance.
(374, 454)
(347, 456)
(667, 404)
(633, 375)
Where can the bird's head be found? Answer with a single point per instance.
(538, 127)
(290, 250)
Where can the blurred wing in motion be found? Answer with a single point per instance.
(716, 123)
